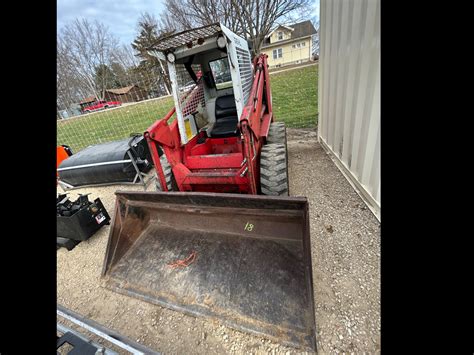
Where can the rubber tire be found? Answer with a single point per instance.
(168, 174)
(274, 170)
(277, 133)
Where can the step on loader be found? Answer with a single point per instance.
(221, 237)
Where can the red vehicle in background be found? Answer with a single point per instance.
(100, 105)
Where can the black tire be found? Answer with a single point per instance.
(274, 170)
(168, 174)
(277, 133)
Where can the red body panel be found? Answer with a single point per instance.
(218, 164)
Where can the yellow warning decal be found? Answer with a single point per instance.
(189, 131)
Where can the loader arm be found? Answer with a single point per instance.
(255, 121)
(161, 135)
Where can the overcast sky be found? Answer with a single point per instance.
(120, 16)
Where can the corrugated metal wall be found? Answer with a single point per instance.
(349, 92)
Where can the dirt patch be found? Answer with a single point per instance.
(346, 269)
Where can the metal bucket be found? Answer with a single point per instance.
(242, 259)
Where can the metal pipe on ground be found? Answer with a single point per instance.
(103, 332)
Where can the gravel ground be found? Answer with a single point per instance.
(346, 269)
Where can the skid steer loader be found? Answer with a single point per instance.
(221, 238)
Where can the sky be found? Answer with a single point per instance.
(119, 16)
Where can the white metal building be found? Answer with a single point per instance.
(349, 92)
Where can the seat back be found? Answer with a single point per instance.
(225, 107)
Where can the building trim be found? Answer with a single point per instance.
(286, 41)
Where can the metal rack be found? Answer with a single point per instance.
(83, 345)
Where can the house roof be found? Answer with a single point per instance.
(276, 28)
(299, 30)
(121, 91)
(302, 29)
(88, 99)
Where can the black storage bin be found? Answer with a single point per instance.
(84, 223)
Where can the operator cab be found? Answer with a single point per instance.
(211, 73)
(221, 102)
(211, 98)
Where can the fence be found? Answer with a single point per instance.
(294, 95)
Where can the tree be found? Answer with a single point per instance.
(152, 69)
(125, 57)
(67, 85)
(196, 13)
(105, 79)
(252, 19)
(83, 47)
(120, 75)
(315, 40)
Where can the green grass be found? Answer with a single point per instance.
(295, 96)
(294, 102)
(109, 125)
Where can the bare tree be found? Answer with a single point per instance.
(67, 85)
(252, 19)
(70, 87)
(257, 17)
(125, 56)
(83, 47)
(149, 31)
(195, 13)
(315, 40)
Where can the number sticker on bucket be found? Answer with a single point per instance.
(248, 227)
(100, 218)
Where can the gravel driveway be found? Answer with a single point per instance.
(346, 268)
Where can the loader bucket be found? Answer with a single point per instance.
(242, 259)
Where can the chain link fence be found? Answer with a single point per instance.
(129, 108)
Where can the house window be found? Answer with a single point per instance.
(277, 53)
(298, 45)
(293, 46)
(302, 44)
(280, 35)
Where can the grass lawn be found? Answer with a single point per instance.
(109, 125)
(295, 96)
(294, 102)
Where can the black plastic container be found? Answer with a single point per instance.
(106, 163)
(83, 223)
(69, 244)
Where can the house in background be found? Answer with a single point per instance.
(287, 45)
(132, 93)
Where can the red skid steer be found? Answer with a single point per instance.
(220, 238)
